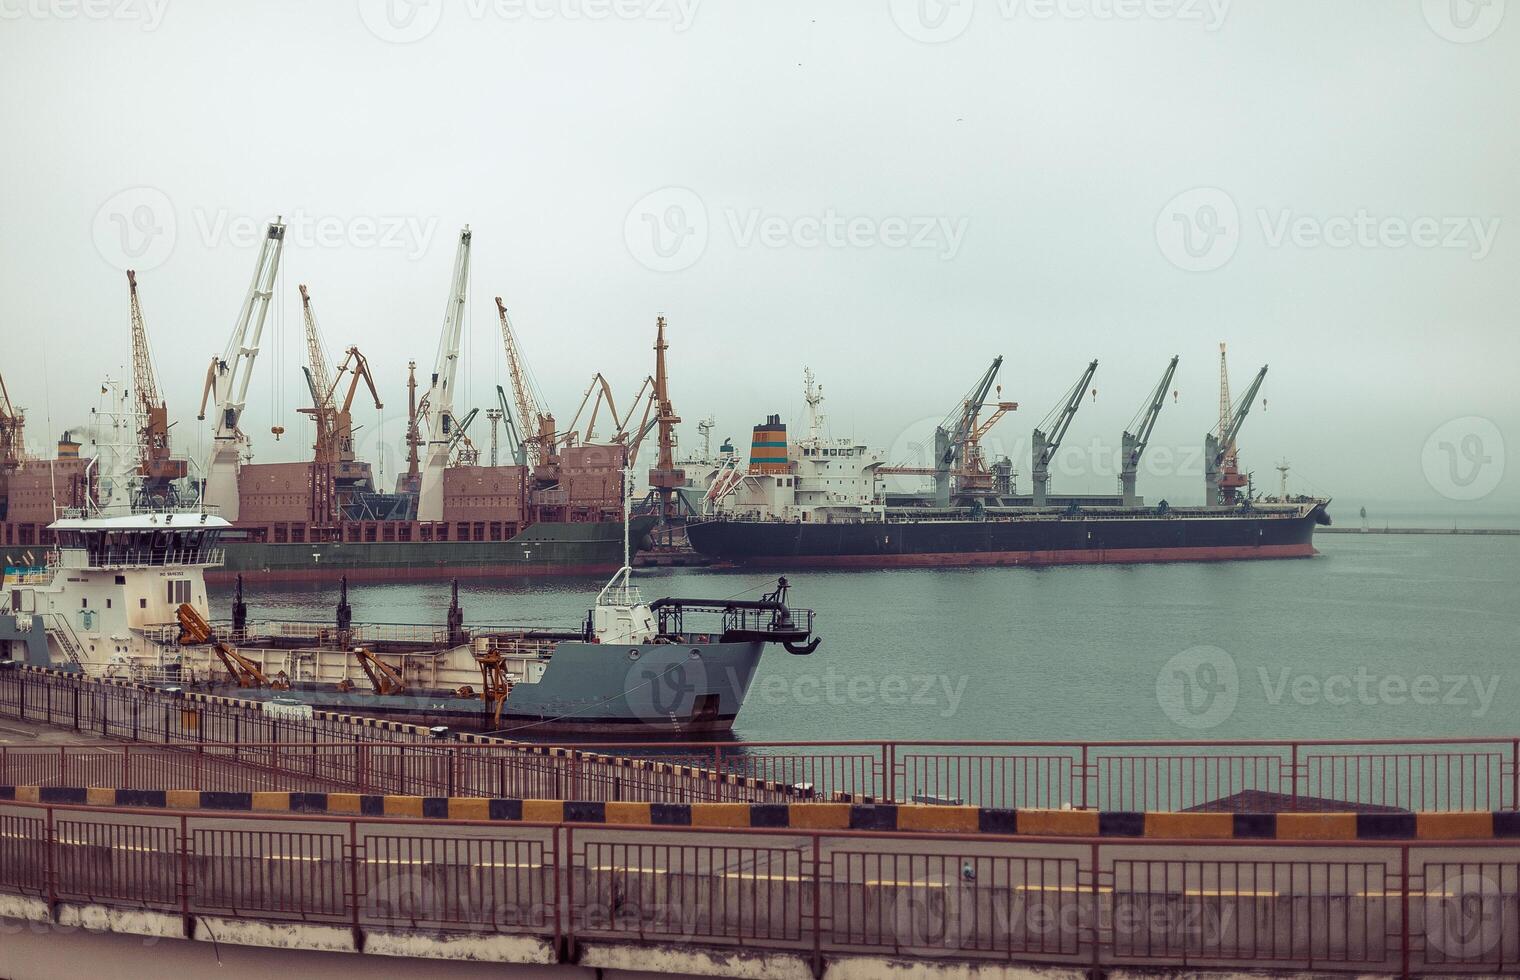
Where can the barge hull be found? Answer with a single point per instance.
(590, 548)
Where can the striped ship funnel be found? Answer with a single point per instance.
(767, 449)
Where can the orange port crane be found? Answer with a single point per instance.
(665, 478)
(156, 468)
(1222, 476)
(958, 454)
(334, 445)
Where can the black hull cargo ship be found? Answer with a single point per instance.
(1203, 534)
(820, 503)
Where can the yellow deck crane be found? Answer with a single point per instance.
(333, 450)
(156, 469)
(193, 628)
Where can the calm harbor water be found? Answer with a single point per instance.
(1378, 636)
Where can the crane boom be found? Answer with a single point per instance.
(155, 469)
(514, 438)
(538, 442)
(228, 377)
(1047, 438)
(957, 442)
(1138, 434)
(323, 503)
(440, 394)
(1222, 476)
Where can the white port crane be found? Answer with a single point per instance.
(227, 379)
(440, 394)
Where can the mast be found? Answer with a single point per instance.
(412, 480)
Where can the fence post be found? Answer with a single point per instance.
(353, 885)
(567, 952)
(187, 923)
(1514, 775)
(1083, 778)
(817, 907)
(126, 767)
(1404, 913)
(1293, 756)
(50, 866)
(1097, 919)
(889, 771)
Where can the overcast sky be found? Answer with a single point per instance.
(891, 193)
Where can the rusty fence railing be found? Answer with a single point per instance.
(1438, 775)
(1406, 907)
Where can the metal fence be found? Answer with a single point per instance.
(1438, 776)
(1410, 907)
(246, 748)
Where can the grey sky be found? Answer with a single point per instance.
(994, 185)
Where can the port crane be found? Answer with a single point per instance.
(515, 443)
(1222, 476)
(12, 432)
(1048, 436)
(156, 470)
(540, 442)
(1138, 434)
(334, 445)
(958, 456)
(440, 395)
(227, 379)
(665, 477)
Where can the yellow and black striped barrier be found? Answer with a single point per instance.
(918, 818)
